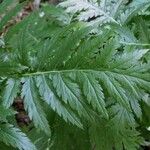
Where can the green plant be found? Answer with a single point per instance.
(100, 12)
(92, 87)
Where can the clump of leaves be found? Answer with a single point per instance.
(81, 89)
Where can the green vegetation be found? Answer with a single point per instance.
(82, 70)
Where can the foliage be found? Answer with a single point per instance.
(81, 89)
(103, 11)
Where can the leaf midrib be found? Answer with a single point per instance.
(80, 70)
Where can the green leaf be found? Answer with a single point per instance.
(133, 8)
(99, 133)
(122, 118)
(85, 10)
(107, 53)
(14, 137)
(114, 89)
(69, 92)
(50, 97)
(32, 105)
(10, 92)
(131, 139)
(107, 136)
(128, 59)
(93, 91)
(136, 107)
(58, 13)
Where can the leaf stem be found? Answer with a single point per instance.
(60, 71)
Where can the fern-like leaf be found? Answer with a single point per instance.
(10, 92)
(31, 103)
(88, 10)
(93, 91)
(14, 137)
(102, 12)
(69, 92)
(49, 95)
